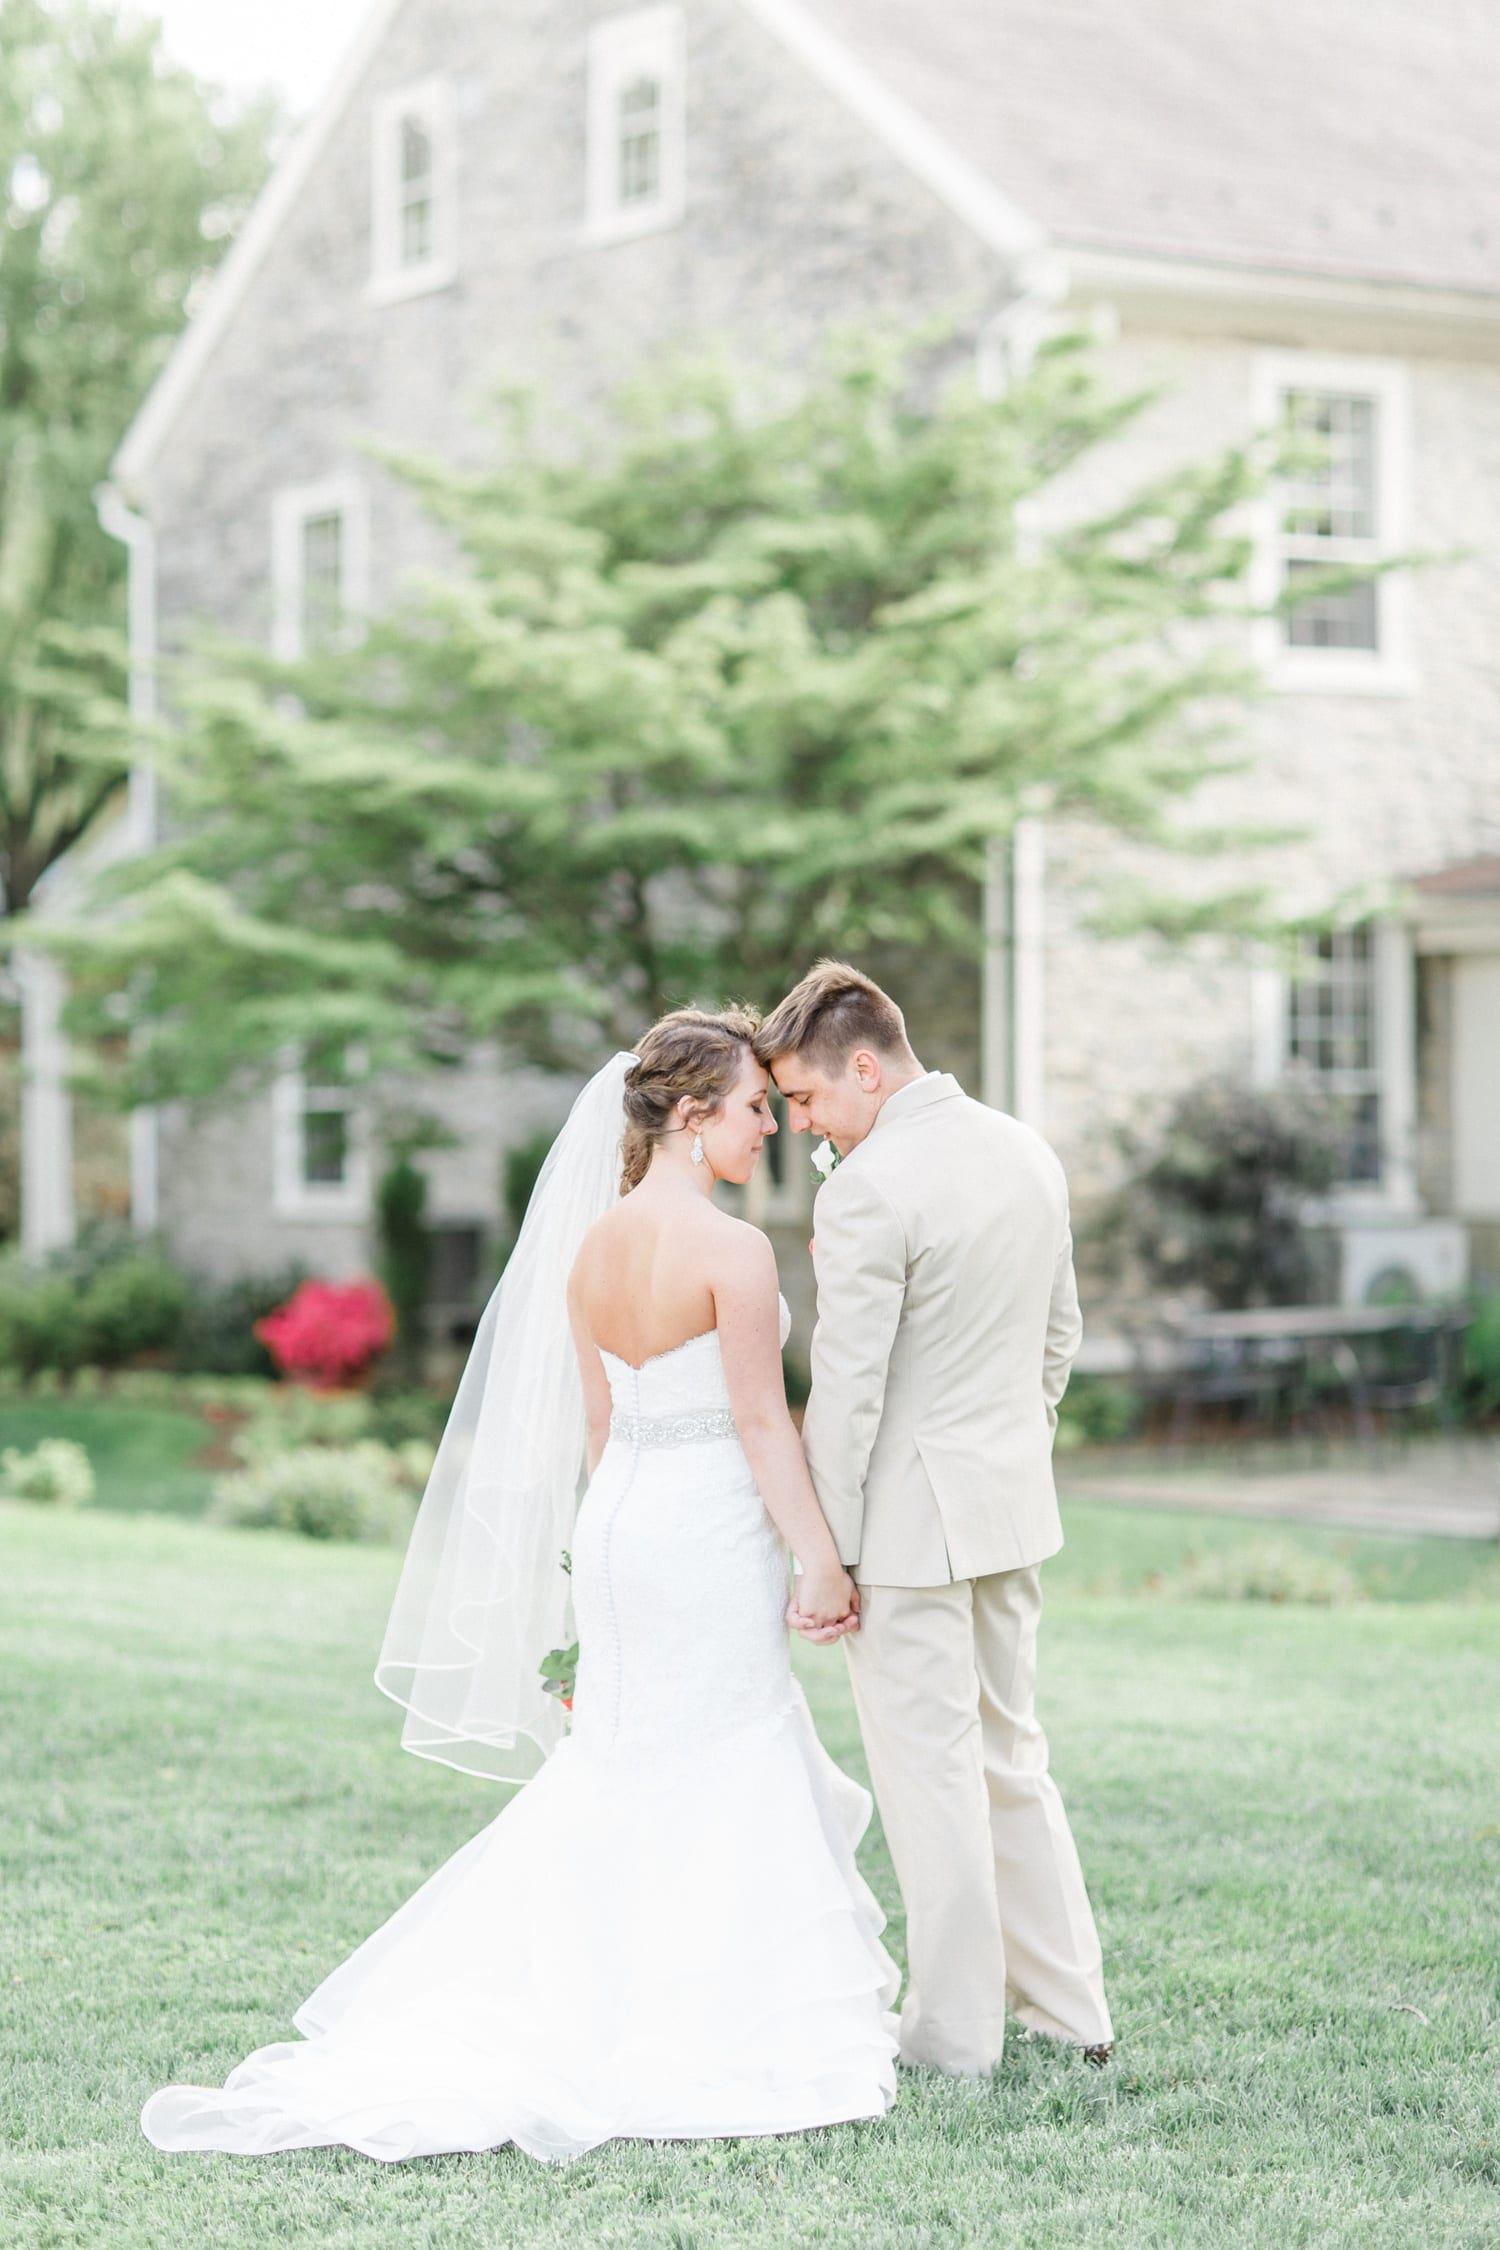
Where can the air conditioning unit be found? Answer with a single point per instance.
(1394, 1256)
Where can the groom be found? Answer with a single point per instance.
(947, 1321)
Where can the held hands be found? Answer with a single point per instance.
(824, 1605)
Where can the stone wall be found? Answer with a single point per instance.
(797, 221)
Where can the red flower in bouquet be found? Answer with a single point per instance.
(328, 1333)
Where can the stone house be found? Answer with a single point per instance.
(1260, 212)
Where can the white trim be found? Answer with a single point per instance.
(1396, 1063)
(1387, 670)
(967, 192)
(1029, 1006)
(147, 434)
(1269, 997)
(293, 1195)
(1470, 317)
(431, 100)
(649, 42)
(292, 508)
(995, 977)
(1394, 1072)
(47, 1213)
(137, 535)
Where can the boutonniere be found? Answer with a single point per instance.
(825, 1159)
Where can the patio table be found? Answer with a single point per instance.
(1267, 1354)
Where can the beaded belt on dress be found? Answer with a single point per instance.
(671, 1429)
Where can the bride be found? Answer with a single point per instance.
(664, 1936)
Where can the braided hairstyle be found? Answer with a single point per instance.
(687, 1052)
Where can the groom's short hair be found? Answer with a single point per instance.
(831, 1012)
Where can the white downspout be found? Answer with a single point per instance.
(1012, 1029)
(136, 534)
(47, 1216)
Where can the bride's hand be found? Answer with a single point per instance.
(824, 1598)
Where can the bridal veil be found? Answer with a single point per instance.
(484, 1594)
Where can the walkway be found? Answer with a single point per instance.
(1444, 1487)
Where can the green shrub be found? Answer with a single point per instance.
(58, 1471)
(42, 1322)
(406, 1250)
(130, 1306)
(365, 1491)
(1264, 1570)
(1215, 1195)
(520, 1169)
(218, 1327)
(1098, 1410)
(400, 1417)
(286, 1417)
(1481, 1358)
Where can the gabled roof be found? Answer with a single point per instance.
(1349, 138)
(1470, 878)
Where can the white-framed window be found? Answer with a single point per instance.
(412, 216)
(636, 124)
(1340, 1015)
(320, 560)
(320, 1154)
(1345, 505)
(1331, 1037)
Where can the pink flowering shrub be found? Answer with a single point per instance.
(328, 1333)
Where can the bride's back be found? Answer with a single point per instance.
(644, 1276)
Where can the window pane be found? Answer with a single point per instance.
(416, 232)
(1347, 620)
(325, 1147)
(1334, 499)
(322, 579)
(1331, 1035)
(640, 141)
(416, 153)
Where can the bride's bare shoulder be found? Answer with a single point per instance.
(740, 1250)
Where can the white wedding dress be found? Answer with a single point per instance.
(664, 1936)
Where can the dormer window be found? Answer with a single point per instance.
(635, 124)
(411, 210)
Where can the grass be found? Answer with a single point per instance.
(1289, 1818)
(144, 1457)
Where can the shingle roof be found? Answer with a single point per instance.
(1471, 878)
(1353, 138)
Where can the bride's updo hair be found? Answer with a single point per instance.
(687, 1052)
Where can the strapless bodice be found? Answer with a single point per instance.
(676, 1385)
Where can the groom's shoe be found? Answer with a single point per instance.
(1100, 2054)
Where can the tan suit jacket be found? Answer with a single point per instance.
(947, 1322)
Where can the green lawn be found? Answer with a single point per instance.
(1289, 1817)
(144, 1457)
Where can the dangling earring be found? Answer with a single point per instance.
(697, 1148)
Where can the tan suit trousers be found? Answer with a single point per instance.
(996, 1911)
